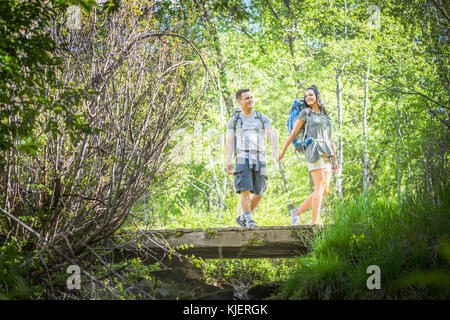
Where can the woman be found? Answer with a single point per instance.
(318, 155)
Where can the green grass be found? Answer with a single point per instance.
(409, 243)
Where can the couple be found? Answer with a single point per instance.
(246, 132)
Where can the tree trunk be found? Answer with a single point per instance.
(399, 136)
(340, 142)
(291, 205)
(364, 120)
(223, 77)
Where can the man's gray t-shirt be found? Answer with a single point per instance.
(320, 129)
(250, 138)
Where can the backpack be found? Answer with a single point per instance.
(299, 142)
(236, 117)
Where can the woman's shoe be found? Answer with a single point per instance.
(294, 218)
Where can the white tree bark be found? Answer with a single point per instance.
(364, 121)
(340, 142)
(399, 137)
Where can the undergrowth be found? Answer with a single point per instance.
(409, 242)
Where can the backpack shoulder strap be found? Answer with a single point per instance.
(235, 119)
(308, 112)
(258, 115)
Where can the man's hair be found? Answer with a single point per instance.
(240, 92)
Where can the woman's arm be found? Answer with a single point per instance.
(297, 126)
(334, 158)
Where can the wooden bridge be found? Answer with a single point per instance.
(233, 242)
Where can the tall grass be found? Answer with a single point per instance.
(409, 242)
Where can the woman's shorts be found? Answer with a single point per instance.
(322, 163)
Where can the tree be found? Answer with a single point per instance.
(144, 85)
(29, 76)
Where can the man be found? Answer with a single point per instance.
(246, 133)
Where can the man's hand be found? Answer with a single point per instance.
(229, 169)
(278, 158)
(275, 155)
(229, 150)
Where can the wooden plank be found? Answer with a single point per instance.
(235, 242)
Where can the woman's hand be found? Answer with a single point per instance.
(336, 164)
(295, 130)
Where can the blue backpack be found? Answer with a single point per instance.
(299, 142)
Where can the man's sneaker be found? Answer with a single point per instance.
(294, 218)
(241, 221)
(251, 224)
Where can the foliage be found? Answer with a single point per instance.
(245, 272)
(12, 272)
(30, 83)
(76, 193)
(278, 56)
(125, 118)
(400, 240)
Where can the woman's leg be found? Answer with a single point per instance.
(308, 201)
(320, 184)
(327, 182)
(305, 205)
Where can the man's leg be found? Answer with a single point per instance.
(244, 197)
(259, 187)
(254, 201)
(243, 184)
(246, 203)
(245, 220)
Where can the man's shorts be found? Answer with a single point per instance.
(246, 178)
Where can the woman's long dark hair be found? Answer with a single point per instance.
(319, 100)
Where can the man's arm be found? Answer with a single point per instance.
(229, 153)
(273, 140)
